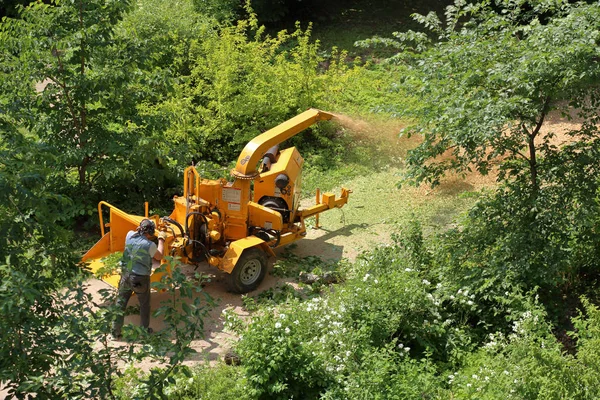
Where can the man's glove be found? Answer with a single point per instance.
(162, 235)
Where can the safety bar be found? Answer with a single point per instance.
(118, 211)
(186, 183)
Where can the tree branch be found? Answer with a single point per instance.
(66, 91)
(83, 110)
(518, 153)
(537, 128)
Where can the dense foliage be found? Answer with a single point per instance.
(111, 100)
(394, 330)
(485, 90)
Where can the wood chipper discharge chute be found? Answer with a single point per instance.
(233, 226)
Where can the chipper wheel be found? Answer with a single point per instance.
(249, 271)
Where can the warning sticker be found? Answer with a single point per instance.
(232, 195)
(268, 225)
(233, 207)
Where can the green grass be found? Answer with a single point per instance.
(378, 207)
(372, 167)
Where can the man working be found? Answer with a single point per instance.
(136, 266)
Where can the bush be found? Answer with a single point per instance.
(391, 331)
(513, 243)
(197, 383)
(242, 84)
(529, 363)
(385, 311)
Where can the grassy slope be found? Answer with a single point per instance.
(378, 206)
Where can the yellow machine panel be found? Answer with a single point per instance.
(264, 217)
(289, 163)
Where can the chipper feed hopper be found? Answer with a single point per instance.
(233, 226)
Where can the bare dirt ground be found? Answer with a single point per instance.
(217, 342)
(366, 221)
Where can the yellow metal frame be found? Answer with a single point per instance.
(237, 248)
(256, 148)
(238, 214)
(114, 240)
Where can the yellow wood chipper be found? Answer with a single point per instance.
(233, 226)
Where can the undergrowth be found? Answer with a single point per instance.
(395, 330)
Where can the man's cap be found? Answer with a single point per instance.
(147, 226)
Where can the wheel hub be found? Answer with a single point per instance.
(250, 272)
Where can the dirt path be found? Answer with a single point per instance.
(217, 341)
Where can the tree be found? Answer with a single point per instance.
(486, 81)
(488, 78)
(69, 81)
(243, 82)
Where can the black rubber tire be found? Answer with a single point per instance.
(249, 271)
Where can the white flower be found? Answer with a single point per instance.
(366, 277)
(296, 322)
(407, 349)
(400, 346)
(281, 316)
(408, 269)
(470, 302)
(287, 330)
(426, 282)
(277, 325)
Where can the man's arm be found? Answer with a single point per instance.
(159, 251)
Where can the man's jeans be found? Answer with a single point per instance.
(130, 283)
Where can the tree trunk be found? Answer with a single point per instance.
(533, 165)
(82, 171)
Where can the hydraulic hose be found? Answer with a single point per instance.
(205, 251)
(194, 241)
(173, 231)
(187, 217)
(277, 234)
(177, 224)
(271, 232)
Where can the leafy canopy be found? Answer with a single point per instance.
(489, 76)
